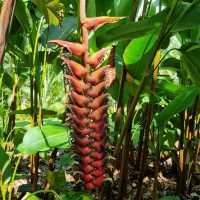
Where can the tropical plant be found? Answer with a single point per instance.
(120, 118)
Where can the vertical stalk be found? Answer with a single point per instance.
(119, 110)
(157, 160)
(145, 152)
(12, 109)
(124, 165)
(34, 105)
(141, 142)
(129, 117)
(84, 30)
(5, 20)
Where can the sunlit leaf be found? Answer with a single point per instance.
(48, 137)
(139, 47)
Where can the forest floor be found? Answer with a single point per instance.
(69, 179)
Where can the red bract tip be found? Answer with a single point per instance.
(98, 127)
(82, 141)
(98, 113)
(97, 58)
(78, 99)
(87, 160)
(98, 145)
(98, 101)
(98, 136)
(88, 177)
(82, 112)
(97, 76)
(98, 164)
(87, 168)
(89, 186)
(95, 22)
(75, 68)
(95, 91)
(97, 155)
(79, 121)
(78, 85)
(98, 181)
(74, 48)
(84, 150)
(98, 172)
(82, 131)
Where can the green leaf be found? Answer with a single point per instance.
(104, 7)
(48, 137)
(130, 30)
(123, 7)
(170, 63)
(126, 31)
(192, 11)
(51, 9)
(177, 105)
(5, 167)
(68, 25)
(23, 16)
(66, 160)
(138, 47)
(75, 196)
(8, 81)
(56, 179)
(170, 198)
(32, 197)
(190, 61)
(91, 8)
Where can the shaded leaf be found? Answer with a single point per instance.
(123, 7)
(170, 198)
(23, 16)
(190, 61)
(68, 25)
(75, 196)
(5, 167)
(180, 103)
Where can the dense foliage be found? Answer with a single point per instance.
(153, 117)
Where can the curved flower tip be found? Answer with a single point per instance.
(98, 101)
(98, 113)
(96, 90)
(94, 23)
(79, 86)
(81, 112)
(74, 48)
(80, 100)
(97, 58)
(75, 68)
(97, 76)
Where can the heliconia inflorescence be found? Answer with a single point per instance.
(88, 100)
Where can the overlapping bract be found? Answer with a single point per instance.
(88, 104)
(88, 117)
